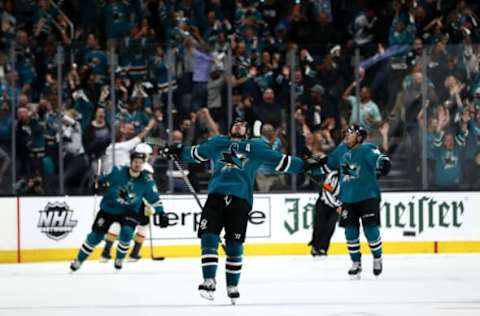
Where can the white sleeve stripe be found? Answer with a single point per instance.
(280, 164)
(289, 162)
(196, 155)
(284, 164)
(325, 169)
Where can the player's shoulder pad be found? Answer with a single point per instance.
(218, 138)
(371, 147)
(119, 168)
(257, 142)
(147, 176)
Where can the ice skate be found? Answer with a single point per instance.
(75, 265)
(134, 257)
(118, 264)
(377, 266)
(207, 288)
(318, 254)
(355, 271)
(105, 257)
(233, 294)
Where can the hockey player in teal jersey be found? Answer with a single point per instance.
(360, 165)
(126, 189)
(230, 197)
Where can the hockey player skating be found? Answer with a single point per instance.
(230, 197)
(145, 212)
(126, 189)
(326, 215)
(124, 145)
(359, 165)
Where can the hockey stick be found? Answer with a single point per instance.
(95, 195)
(188, 183)
(315, 181)
(151, 242)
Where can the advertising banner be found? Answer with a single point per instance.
(184, 215)
(63, 222)
(419, 216)
(55, 222)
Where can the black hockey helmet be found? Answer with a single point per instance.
(240, 120)
(138, 155)
(359, 130)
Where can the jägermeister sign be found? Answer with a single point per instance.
(404, 216)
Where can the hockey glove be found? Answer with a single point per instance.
(314, 161)
(172, 152)
(148, 210)
(100, 186)
(163, 220)
(383, 166)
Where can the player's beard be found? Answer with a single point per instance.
(238, 135)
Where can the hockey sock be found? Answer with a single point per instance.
(111, 237)
(93, 239)
(107, 248)
(353, 242)
(233, 264)
(136, 249)
(372, 232)
(138, 244)
(124, 239)
(209, 244)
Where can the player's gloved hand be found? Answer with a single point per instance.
(148, 211)
(172, 152)
(163, 219)
(383, 166)
(314, 161)
(100, 186)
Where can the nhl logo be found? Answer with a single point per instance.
(56, 220)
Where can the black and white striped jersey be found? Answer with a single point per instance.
(331, 190)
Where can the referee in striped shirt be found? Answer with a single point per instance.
(326, 215)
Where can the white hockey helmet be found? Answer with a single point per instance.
(144, 148)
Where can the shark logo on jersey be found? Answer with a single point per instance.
(56, 220)
(126, 195)
(449, 160)
(350, 171)
(232, 158)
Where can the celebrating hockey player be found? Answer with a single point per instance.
(126, 189)
(360, 165)
(124, 145)
(143, 219)
(230, 197)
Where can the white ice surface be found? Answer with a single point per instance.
(411, 285)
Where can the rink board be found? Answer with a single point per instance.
(53, 228)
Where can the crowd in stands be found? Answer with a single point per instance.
(406, 70)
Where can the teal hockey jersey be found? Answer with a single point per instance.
(125, 193)
(448, 162)
(358, 171)
(235, 163)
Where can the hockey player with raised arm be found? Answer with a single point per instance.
(230, 197)
(359, 166)
(126, 187)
